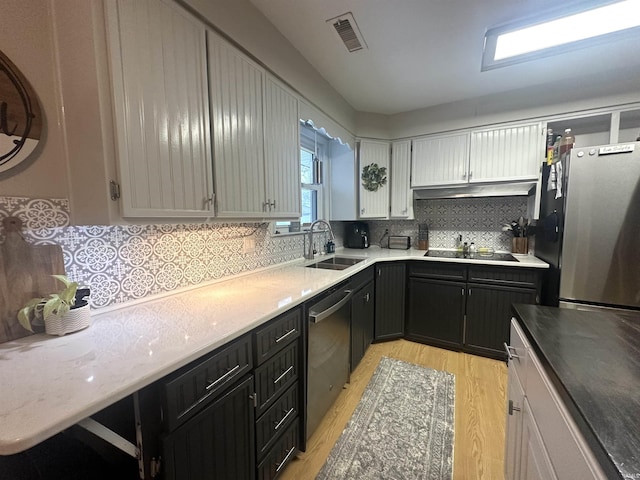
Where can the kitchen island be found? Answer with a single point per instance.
(592, 359)
(50, 383)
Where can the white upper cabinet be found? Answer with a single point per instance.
(440, 160)
(374, 200)
(158, 65)
(236, 86)
(401, 194)
(255, 137)
(507, 154)
(281, 150)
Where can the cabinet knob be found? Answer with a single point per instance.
(464, 176)
(362, 211)
(470, 174)
(512, 408)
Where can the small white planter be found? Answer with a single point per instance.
(72, 321)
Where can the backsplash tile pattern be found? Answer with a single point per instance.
(127, 262)
(479, 220)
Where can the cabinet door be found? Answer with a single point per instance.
(390, 293)
(436, 310)
(513, 441)
(219, 442)
(440, 160)
(374, 204)
(534, 461)
(281, 151)
(489, 315)
(362, 317)
(161, 109)
(510, 153)
(236, 84)
(401, 193)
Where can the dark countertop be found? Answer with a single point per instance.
(593, 359)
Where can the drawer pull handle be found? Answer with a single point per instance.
(279, 424)
(279, 339)
(284, 374)
(286, 459)
(223, 377)
(508, 348)
(512, 408)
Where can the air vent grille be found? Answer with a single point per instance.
(347, 29)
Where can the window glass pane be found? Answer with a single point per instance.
(309, 201)
(306, 166)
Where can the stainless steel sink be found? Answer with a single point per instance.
(336, 263)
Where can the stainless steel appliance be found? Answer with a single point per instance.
(591, 234)
(328, 353)
(356, 235)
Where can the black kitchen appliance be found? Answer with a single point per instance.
(356, 235)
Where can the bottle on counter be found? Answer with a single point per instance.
(566, 143)
(472, 248)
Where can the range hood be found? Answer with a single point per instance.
(523, 188)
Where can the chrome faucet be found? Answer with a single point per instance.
(310, 251)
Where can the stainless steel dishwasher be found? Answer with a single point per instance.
(328, 353)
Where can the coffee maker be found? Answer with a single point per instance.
(356, 235)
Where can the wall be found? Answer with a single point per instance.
(126, 262)
(26, 38)
(479, 220)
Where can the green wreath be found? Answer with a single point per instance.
(373, 177)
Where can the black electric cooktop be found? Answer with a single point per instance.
(502, 257)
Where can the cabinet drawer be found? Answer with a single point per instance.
(277, 334)
(570, 455)
(281, 453)
(275, 376)
(189, 390)
(276, 419)
(442, 271)
(505, 276)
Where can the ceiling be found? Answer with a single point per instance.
(428, 52)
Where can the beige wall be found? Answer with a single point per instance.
(26, 38)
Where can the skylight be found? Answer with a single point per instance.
(518, 43)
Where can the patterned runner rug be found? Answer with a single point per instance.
(402, 429)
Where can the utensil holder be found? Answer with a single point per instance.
(520, 245)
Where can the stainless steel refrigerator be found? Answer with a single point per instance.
(590, 232)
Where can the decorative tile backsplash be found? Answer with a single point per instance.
(128, 262)
(479, 220)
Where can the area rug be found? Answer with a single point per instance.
(401, 429)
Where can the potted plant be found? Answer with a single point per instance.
(62, 312)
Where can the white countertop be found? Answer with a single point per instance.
(50, 383)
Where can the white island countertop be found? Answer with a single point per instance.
(50, 383)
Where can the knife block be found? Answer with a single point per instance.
(520, 245)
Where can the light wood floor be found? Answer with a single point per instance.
(479, 410)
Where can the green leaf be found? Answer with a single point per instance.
(23, 318)
(52, 306)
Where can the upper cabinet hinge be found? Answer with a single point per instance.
(114, 188)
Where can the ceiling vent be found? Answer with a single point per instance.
(346, 27)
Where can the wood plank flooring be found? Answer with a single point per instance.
(479, 410)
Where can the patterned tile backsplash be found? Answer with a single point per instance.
(128, 262)
(479, 220)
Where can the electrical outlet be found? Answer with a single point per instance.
(248, 245)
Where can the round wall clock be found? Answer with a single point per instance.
(20, 116)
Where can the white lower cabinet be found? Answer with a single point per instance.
(543, 441)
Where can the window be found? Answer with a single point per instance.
(523, 41)
(312, 160)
